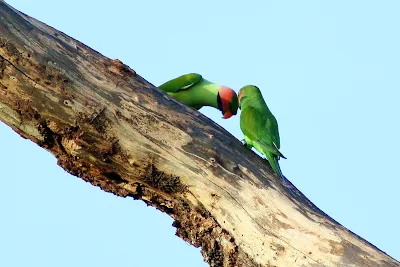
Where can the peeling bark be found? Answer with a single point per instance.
(110, 127)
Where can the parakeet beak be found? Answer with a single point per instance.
(239, 98)
(227, 102)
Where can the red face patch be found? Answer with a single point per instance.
(226, 94)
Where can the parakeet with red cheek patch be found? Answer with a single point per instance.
(195, 91)
(260, 127)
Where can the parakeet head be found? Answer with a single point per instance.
(227, 101)
(247, 92)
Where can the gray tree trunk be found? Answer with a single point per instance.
(110, 127)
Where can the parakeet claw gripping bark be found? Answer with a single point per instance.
(193, 90)
(260, 128)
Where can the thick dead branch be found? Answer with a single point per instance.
(110, 127)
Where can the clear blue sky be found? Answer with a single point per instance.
(329, 71)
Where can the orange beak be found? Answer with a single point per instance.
(240, 96)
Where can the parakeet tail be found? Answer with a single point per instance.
(273, 160)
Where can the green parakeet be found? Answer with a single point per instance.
(260, 127)
(195, 91)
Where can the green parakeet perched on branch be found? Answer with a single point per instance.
(260, 127)
(192, 90)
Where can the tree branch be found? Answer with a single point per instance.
(110, 127)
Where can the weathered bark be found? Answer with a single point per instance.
(110, 127)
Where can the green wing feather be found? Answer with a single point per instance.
(261, 129)
(181, 83)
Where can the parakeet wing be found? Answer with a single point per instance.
(261, 128)
(181, 83)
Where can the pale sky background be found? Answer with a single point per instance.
(329, 71)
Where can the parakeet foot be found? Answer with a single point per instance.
(244, 142)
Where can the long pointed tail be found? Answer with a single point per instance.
(273, 160)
